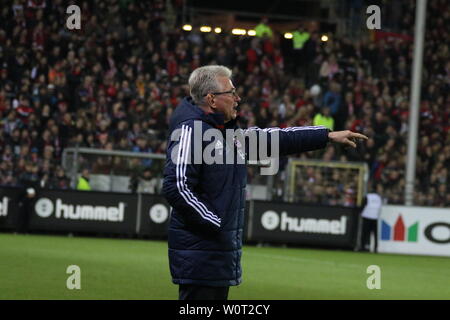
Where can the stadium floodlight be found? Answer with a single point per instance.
(288, 35)
(187, 27)
(218, 30)
(324, 38)
(205, 29)
(238, 32)
(251, 33)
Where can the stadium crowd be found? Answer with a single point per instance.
(114, 84)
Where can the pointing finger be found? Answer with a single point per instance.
(350, 143)
(358, 135)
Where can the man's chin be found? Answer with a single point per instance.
(232, 116)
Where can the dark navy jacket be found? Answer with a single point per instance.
(208, 200)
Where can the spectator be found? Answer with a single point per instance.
(332, 98)
(60, 181)
(371, 211)
(83, 181)
(324, 118)
(144, 182)
(299, 38)
(329, 68)
(263, 29)
(25, 204)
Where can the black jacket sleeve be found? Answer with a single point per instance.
(290, 140)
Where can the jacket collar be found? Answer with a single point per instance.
(188, 110)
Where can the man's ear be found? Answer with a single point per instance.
(210, 100)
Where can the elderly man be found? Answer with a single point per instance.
(208, 198)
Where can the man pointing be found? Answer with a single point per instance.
(208, 199)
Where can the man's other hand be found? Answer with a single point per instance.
(346, 137)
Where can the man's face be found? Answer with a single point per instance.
(141, 143)
(226, 103)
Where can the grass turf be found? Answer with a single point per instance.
(34, 267)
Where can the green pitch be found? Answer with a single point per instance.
(34, 267)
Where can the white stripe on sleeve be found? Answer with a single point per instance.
(188, 196)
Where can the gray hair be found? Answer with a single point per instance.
(203, 80)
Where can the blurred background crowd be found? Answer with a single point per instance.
(114, 84)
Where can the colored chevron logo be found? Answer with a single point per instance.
(399, 232)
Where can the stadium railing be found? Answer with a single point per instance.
(112, 170)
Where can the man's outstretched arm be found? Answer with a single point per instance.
(295, 140)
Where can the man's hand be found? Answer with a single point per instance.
(346, 137)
